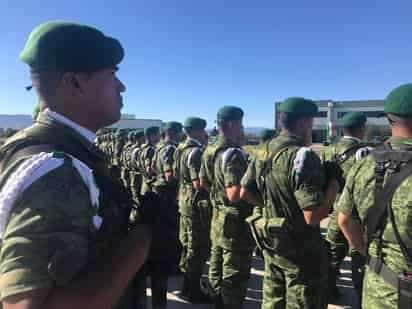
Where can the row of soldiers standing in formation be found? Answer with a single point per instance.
(65, 237)
(275, 199)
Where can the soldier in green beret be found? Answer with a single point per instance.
(346, 152)
(193, 232)
(222, 168)
(135, 175)
(165, 252)
(64, 224)
(152, 135)
(378, 191)
(294, 193)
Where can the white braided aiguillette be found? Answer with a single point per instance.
(87, 175)
(27, 173)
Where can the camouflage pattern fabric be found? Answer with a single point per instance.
(296, 266)
(232, 244)
(193, 236)
(146, 155)
(339, 246)
(46, 243)
(358, 195)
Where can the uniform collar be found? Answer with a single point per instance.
(86, 133)
(194, 141)
(353, 138)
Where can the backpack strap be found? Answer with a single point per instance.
(387, 161)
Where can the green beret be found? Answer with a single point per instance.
(173, 125)
(399, 101)
(266, 134)
(299, 106)
(227, 113)
(70, 47)
(131, 135)
(194, 123)
(139, 134)
(151, 130)
(353, 119)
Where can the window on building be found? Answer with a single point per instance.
(369, 114)
(322, 114)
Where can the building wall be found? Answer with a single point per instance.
(335, 110)
(138, 124)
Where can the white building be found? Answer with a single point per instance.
(334, 110)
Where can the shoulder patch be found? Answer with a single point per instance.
(169, 149)
(300, 159)
(229, 153)
(193, 152)
(362, 152)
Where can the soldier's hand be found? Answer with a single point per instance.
(334, 171)
(169, 176)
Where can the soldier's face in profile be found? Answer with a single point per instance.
(104, 93)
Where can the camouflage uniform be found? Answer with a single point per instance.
(135, 176)
(165, 249)
(346, 152)
(147, 152)
(193, 233)
(45, 243)
(223, 165)
(358, 195)
(125, 163)
(295, 254)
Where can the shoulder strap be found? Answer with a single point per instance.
(342, 157)
(387, 161)
(179, 153)
(227, 155)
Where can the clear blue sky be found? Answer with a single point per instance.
(190, 57)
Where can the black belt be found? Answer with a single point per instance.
(380, 268)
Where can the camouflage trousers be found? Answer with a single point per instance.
(195, 242)
(135, 185)
(229, 273)
(377, 293)
(339, 248)
(291, 287)
(125, 177)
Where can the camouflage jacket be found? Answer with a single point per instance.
(162, 162)
(358, 195)
(187, 160)
(53, 228)
(223, 165)
(289, 182)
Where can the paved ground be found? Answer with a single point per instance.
(254, 295)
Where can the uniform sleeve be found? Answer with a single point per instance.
(194, 163)
(249, 179)
(346, 202)
(167, 159)
(149, 156)
(46, 239)
(234, 169)
(309, 178)
(204, 173)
